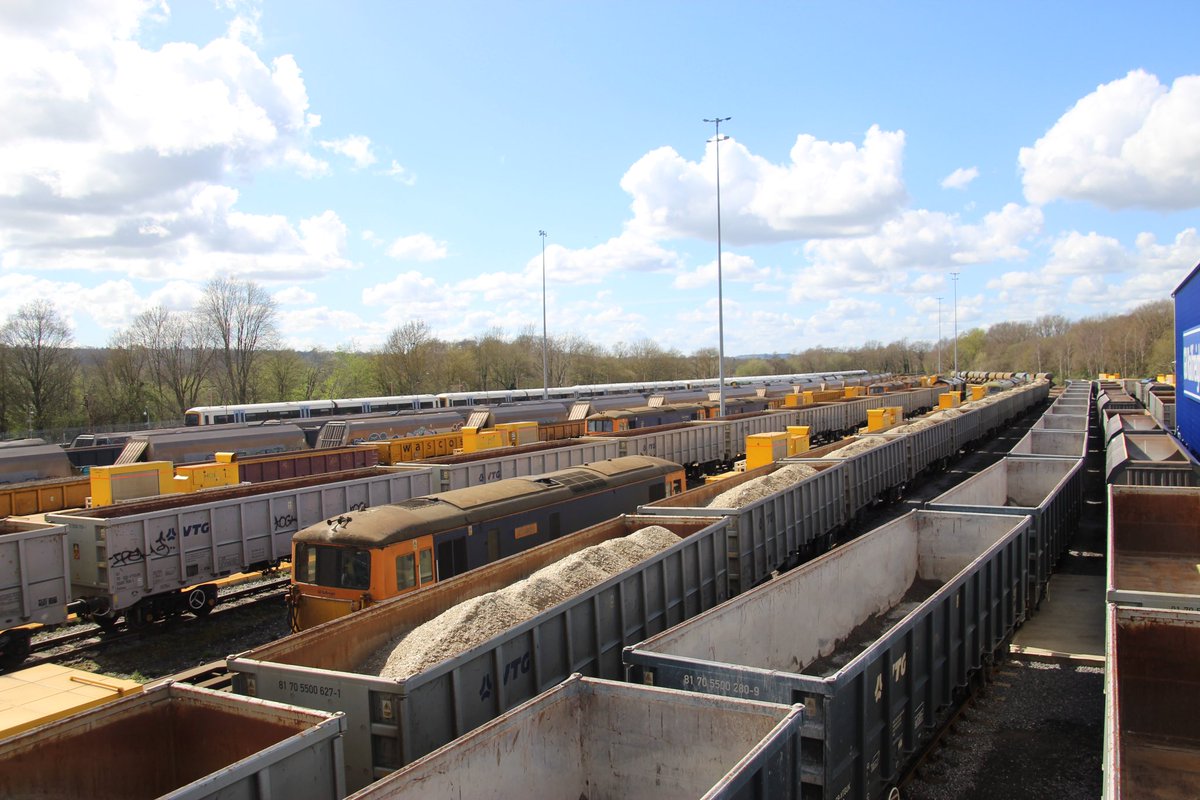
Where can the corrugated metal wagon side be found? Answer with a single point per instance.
(874, 638)
(596, 738)
(927, 448)
(391, 722)
(871, 476)
(775, 532)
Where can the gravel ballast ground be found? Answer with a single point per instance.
(1035, 732)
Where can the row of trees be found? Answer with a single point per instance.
(228, 350)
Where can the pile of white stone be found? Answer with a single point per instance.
(474, 621)
(859, 446)
(758, 488)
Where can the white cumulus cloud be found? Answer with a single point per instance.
(825, 189)
(295, 296)
(961, 178)
(400, 173)
(629, 252)
(116, 156)
(355, 148)
(417, 247)
(734, 268)
(1132, 142)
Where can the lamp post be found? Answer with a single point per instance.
(954, 278)
(939, 336)
(545, 371)
(716, 140)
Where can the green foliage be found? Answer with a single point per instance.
(163, 364)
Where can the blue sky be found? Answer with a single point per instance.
(371, 163)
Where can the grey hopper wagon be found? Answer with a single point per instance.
(1061, 422)
(1048, 490)
(384, 427)
(33, 460)
(35, 584)
(774, 532)
(1131, 422)
(1051, 444)
(873, 638)
(869, 476)
(198, 445)
(488, 466)
(597, 738)
(179, 742)
(1146, 459)
(1064, 406)
(735, 428)
(392, 721)
(826, 421)
(691, 445)
(927, 445)
(1162, 408)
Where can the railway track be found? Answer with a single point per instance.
(87, 638)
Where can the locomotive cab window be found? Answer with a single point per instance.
(406, 572)
(335, 567)
(600, 426)
(426, 567)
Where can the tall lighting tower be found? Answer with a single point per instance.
(939, 336)
(954, 277)
(545, 371)
(716, 140)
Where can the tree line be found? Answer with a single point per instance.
(228, 350)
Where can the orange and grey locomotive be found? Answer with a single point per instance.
(347, 563)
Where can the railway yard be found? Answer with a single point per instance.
(919, 610)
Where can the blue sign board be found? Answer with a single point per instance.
(1187, 361)
(1189, 374)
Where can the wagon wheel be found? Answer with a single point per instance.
(200, 602)
(106, 621)
(138, 617)
(14, 648)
